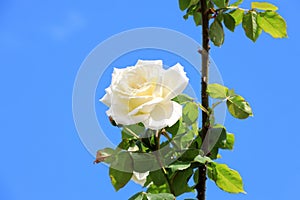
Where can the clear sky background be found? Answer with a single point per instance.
(42, 45)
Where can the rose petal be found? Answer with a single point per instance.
(174, 81)
(119, 112)
(133, 149)
(163, 115)
(147, 106)
(139, 178)
(149, 63)
(116, 75)
(106, 99)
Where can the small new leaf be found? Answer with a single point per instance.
(272, 23)
(250, 25)
(263, 6)
(161, 196)
(216, 33)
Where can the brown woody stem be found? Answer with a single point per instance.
(201, 185)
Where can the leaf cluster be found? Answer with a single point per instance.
(262, 16)
(173, 155)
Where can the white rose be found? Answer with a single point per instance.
(143, 93)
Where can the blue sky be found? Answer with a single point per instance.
(42, 46)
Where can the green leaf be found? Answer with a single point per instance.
(272, 23)
(131, 131)
(217, 91)
(250, 25)
(119, 178)
(138, 196)
(231, 92)
(198, 18)
(215, 136)
(161, 196)
(227, 179)
(105, 155)
(216, 33)
(148, 139)
(237, 3)
(229, 142)
(229, 21)
(220, 3)
(183, 99)
(178, 166)
(214, 153)
(211, 171)
(196, 176)
(186, 139)
(126, 143)
(157, 177)
(184, 4)
(190, 113)
(154, 189)
(149, 196)
(238, 107)
(186, 16)
(263, 6)
(120, 171)
(179, 182)
(202, 159)
(178, 128)
(190, 154)
(143, 162)
(237, 15)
